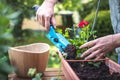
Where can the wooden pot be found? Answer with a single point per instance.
(71, 75)
(29, 56)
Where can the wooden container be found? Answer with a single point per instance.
(29, 56)
(71, 75)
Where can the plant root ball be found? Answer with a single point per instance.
(71, 51)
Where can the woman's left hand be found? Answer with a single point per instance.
(98, 47)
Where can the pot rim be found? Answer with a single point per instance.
(47, 47)
(104, 59)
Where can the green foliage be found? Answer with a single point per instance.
(7, 19)
(92, 6)
(103, 25)
(37, 76)
(85, 34)
(31, 72)
(6, 38)
(96, 64)
(25, 6)
(26, 11)
(54, 60)
(73, 5)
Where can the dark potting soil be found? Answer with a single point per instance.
(89, 70)
(71, 51)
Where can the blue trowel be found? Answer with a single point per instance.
(56, 38)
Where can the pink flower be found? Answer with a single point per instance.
(82, 24)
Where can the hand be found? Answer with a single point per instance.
(45, 13)
(98, 47)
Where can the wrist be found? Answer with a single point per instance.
(116, 40)
(52, 2)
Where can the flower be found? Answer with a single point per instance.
(83, 24)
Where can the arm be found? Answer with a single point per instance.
(100, 46)
(45, 14)
(116, 40)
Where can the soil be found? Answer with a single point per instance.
(71, 51)
(90, 70)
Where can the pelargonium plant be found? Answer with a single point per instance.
(79, 34)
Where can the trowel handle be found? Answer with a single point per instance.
(52, 30)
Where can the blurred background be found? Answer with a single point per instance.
(19, 27)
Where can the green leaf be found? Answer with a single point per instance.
(31, 72)
(3, 59)
(14, 15)
(3, 49)
(6, 36)
(97, 64)
(37, 76)
(4, 21)
(54, 78)
(6, 68)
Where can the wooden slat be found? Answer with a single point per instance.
(53, 72)
(47, 75)
(21, 79)
(48, 78)
(52, 69)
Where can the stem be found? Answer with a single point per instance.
(87, 32)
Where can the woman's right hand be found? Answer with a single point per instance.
(45, 14)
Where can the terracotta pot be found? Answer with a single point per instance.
(71, 75)
(29, 56)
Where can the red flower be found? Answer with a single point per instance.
(83, 24)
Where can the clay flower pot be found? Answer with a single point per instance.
(70, 74)
(29, 56)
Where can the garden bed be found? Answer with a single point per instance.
(89, 71)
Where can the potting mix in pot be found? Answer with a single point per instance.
(86, 70)
(90, 70)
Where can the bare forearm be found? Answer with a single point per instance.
(116, 40)
(53, 2)
(45, 14)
